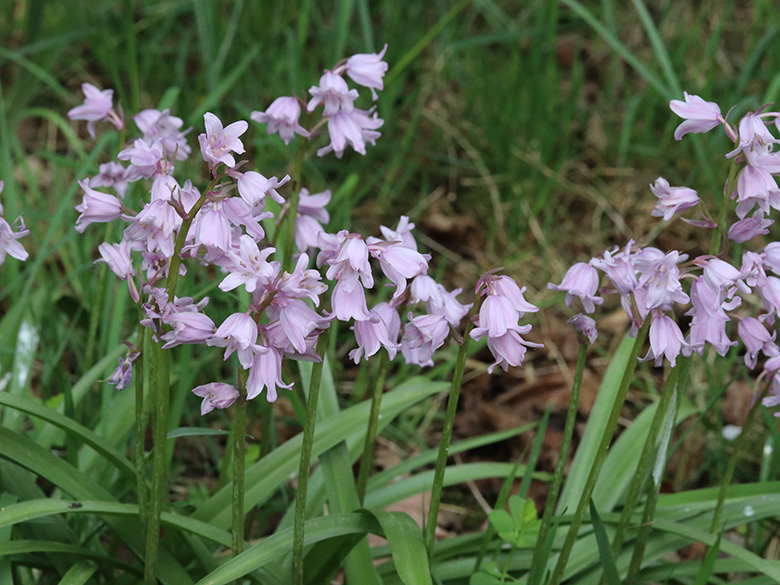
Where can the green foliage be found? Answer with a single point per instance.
(518, 527)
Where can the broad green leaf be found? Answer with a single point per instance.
(406, 543)
(22, 547)
(280, 544)
(272, 471)
(586, 451)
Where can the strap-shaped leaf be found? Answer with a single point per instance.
(406, 544)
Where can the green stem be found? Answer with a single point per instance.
(446, 434)
(736, 455)
(560, 465)
(239, 457)
(159, 377)
(367, 460)
(181, 238)
(96, 314)
(638, 480)
(139, 455)
(654, 489)
(719, 233)
(292, 212)
(305, 463)
(601, 453)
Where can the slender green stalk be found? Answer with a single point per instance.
(736, 455)
(292, 213)
(96, 314)
(139, 456)
(606, 439)
(446, 434)
(560, 465)
(173, 267)
(239, 457)
(635, 487)
(305, 464)
(654, 489)
(159, 377)
(367, 460)
(719, 233)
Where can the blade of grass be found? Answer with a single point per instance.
(605, 550)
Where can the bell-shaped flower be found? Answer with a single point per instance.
(238, 333)
(756, 338)
(266, 373)
(96, 207)
(354, 128)
(581, 281)
(111, 174)
(379, 331)
(282, 117)
(368, 69)
(97, 107)
(215, 395)
(422, 336)
(666, 340)
(117, 256)
(585, 328)
(746, 229)
(509, 349)
(672, 200)
(333, 94)
(756, 186)
(700, 116)
(189, 327)
(618, 266)
(161, 127)
(755, 140)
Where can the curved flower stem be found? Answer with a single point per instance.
(367, 460)
(305, 464)
(159, 377)
(736, 455)
(601, 454)
(635, 487)
(292, 214)
(446, 433)
(555, 487)
(239, 457)
(139, 456)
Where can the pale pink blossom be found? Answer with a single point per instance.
(581, 281)
(218, 142)
(96, 207)
(672, 200)
(333, 94)
(282, 117)
(215, 395)
(700, 116)
(97, 107)
(368, 69)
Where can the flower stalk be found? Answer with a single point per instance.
(446, 434)
(239, 461)
(557, 481)
(601, 454)
(367, 460)
(305, 461)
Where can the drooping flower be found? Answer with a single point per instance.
(238, 333)
(666, 340)
(215, 395)
(282, 117)
(700, 116)
(672, 200)
(97, 107)
(585, 327)
(333, 93)
(354, 128)
(581, 281)
(111, 174)
(8, 244)
(96, 207)
(368, 69)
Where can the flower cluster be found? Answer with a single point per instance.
(222, 226)
(347, 125)
(8, 237)
(649, 281)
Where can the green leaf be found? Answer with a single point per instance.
(709, 562)
(79, 573)
(280, 543)
(21, 547)
(605, 550)
(407, 545)
(272, 471)
(195, 432)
